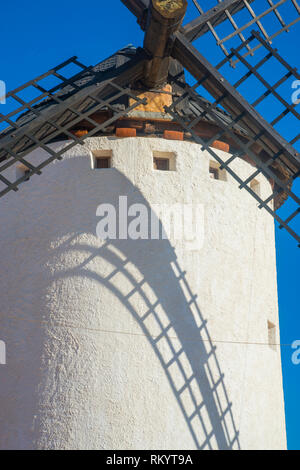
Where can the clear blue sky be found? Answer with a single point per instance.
(36, 36)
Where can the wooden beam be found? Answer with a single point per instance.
(198, 26)
(139, 9)
(214, 16)
(164, 19)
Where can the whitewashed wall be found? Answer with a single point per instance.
(106, 347)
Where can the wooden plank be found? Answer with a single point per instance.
(215, 16)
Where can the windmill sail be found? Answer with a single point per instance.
(55, 113)
(271, 154)
(253, 14)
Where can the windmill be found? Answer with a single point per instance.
(169, 91)
(166, 40)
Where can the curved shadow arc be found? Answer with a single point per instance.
(188, 346)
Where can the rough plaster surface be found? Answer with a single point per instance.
(107, 345)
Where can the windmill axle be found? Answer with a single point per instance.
(164, 18)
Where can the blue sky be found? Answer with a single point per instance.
(36, 36)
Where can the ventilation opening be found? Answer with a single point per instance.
(272, 335)
(216, 173)
(102, 162)
(255, 186)
(161, 164)
(22, 171)
(101, 159)
(164, 161)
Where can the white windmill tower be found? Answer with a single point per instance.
(145, 342)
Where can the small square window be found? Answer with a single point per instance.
(161, 164)
(255, 186)
(164, 161)
(102, 159)
(102, 162)
(216, 173)
(272, 335)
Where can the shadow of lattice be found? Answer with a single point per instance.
(179, 337)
